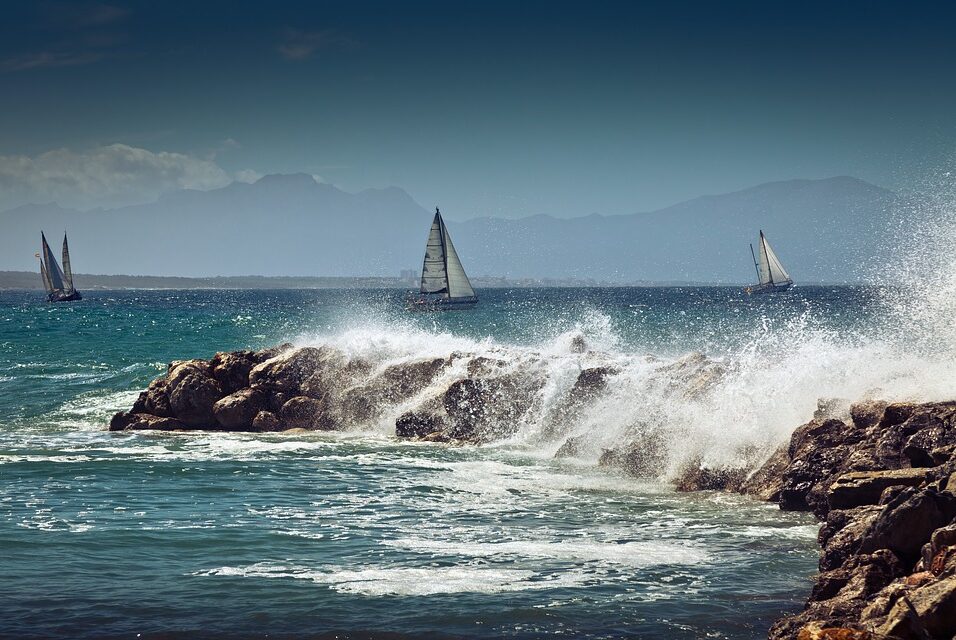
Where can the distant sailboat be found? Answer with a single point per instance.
(445, 285)
(771, 275)
(57, 282)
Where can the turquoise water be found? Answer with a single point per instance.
(357, 534)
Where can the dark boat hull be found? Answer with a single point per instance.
(59, 296)
(768, 288)
(422, 303)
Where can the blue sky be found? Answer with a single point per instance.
(487, 108)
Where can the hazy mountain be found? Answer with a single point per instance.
(292, 225)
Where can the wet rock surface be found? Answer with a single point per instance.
(883, 483)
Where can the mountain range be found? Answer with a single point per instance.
(829, 230)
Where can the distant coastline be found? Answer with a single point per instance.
(30, 281)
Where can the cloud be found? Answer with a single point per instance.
(247, 175)
(85, 15)
(108, 176)
(301, 45)
(47, 59)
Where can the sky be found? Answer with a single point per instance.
(490, 108)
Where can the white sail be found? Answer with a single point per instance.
(67, 269)
(459, 286)
(769, 267)
(434, 274)
(53, 271)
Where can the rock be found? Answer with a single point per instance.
(192, 399)
(287, 371)
(237, 410)
(907, 522)
(394, 384)
(266, 421)
(865, 487)
(925, 612)
(178, 370)
(155, 400)
(643, 457)
(570, 449)
(695, 477)
(815, 631)
(767, 481)
(840, 535)
(139, 421)
(867, 414)
(231, 369)
(303, 412)
(896, 413)
(412, 424)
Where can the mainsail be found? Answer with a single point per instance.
(442, 271)
(67, 270)
(769, 269)
(54, 275)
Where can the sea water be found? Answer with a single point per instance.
(358, 534)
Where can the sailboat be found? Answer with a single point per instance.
(57, 282)
(445, 286)
(771, 275)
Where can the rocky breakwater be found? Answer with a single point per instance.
(883, 481)
(460, 397)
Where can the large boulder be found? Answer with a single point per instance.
(266, 421)
(865, 487)
(302, 412)
(155, 400)
(928, 611)
(418, 424)
(237, 410)
(192, 399)
(231, 369)
(287, 371)
(908, 522)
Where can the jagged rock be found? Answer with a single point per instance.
(231, 369)
(397, 382)
(926, 612)
(816, 631)
(137, 421)
(767, 481)
(867, 414)
(286, 372)
(155, 400)
(643, 457)
(695, 477)
(840, 535)
(907, 522)
(302, 412)
(865, 487)
(570, 449)
(192, 398)
(237, 410)
(412, 424)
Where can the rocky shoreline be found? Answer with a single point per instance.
(881, 477)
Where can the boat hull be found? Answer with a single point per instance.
(60, 296)
(423, 303)
(771, 287)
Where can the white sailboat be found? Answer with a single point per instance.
(445, 285)
(771, 275)
(57, 282)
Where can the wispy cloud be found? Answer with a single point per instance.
(302, 45)
(84, 15)
(48, 59)
(82, 33)
(111, 175)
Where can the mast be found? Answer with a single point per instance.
(444, 249)
(757, 268)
